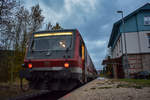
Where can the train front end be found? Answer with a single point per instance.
(51, 62)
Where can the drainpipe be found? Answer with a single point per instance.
(121, 43)
(122, 52)
(139, 42)
(125, 45)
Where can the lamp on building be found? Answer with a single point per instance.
(125, 45)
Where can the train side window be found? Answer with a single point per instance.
(83, 52)
(80, 49)
(85, 55)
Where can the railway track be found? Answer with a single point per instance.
(45, 95)
(30, 95)
(41, 95)
(50, 96)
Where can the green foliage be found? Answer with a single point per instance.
(129, 86)
(108, 71)
(3, 70)
(5, 64)
(10, 63)
(141, 82)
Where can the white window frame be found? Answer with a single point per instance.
(146, 20)
(148, 36)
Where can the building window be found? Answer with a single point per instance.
(120, 45)
(148, 36)
(147, 20)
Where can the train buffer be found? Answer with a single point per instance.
(108, 89)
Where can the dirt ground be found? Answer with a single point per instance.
(106, 89)
(8, 91)
(99, 89)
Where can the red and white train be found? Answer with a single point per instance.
(57, 60)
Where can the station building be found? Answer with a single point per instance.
(129, 44)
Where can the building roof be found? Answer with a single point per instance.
(116, 25)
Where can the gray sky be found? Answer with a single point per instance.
(93, 18)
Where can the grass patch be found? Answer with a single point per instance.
(137, 87)
(138, 82)
(102, 75)
(129, 86)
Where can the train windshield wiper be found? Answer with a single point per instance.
(49, 52)
(67, 49)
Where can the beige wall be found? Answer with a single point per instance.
(146, 61)
(135, 43)
(137, 49)
(144, 42)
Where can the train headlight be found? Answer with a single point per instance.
(66, 65)
(29, 65)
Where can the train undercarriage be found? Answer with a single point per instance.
(52, 80)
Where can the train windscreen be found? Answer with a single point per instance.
(51, 42)
(51, 45)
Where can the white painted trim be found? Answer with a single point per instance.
(71, 69)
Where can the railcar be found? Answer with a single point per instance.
(57, 60)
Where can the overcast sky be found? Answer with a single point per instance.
(93, 18)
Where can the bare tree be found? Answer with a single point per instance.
(7, 8)
(48, 26)
(21, 28)
(26, 23)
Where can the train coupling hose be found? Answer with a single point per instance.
(24, 87)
